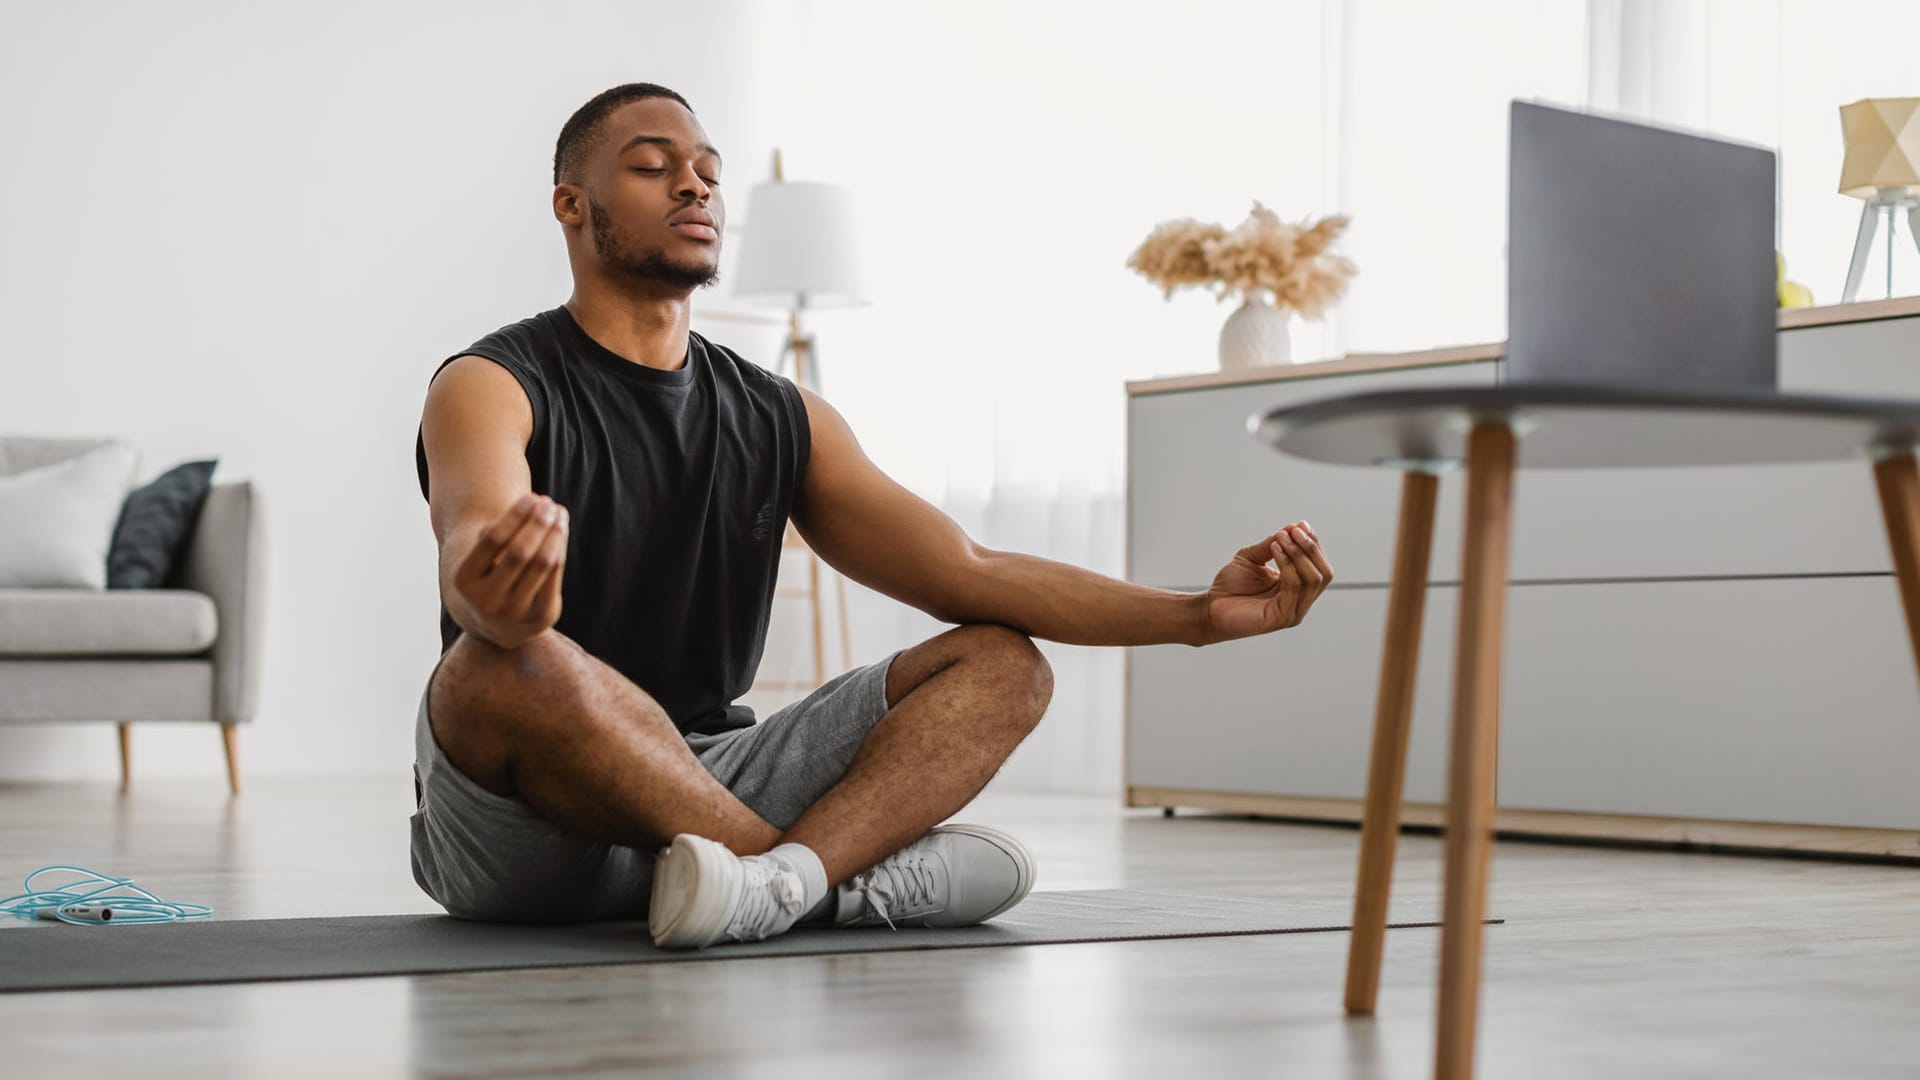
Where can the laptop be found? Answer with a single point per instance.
(1638, 257)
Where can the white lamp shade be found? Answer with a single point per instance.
(800, 249)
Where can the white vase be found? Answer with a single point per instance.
(1256, 335)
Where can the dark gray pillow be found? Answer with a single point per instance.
(156, 525)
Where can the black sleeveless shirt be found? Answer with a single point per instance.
(678, 485)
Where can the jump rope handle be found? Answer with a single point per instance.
(87, 912)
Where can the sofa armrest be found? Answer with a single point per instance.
(227, 560)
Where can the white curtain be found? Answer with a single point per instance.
(1772, 72)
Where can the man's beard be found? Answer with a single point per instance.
(652, 265)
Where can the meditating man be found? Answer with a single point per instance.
(609, 492)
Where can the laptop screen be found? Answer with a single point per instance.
(1638, 256)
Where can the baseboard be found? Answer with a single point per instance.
(1770, 837)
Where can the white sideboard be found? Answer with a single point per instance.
(1711, 655)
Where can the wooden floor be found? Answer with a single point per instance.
(1611, 964)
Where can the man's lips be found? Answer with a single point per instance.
(696, 224)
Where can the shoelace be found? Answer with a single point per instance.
(771, 890)
(899, 885)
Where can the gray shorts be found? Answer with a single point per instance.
(491, 857)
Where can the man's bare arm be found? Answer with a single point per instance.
(502, 548)
(885, 537)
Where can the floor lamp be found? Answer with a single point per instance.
(1883, 167)
(799, 253)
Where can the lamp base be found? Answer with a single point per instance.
(1887, 201)
(805, 361)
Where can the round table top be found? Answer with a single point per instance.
(1587, 427)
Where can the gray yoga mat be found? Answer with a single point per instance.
(59, 956)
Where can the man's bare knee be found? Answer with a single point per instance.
(1026, 674)
(1007, 664)
(484, 698)
(475, 671)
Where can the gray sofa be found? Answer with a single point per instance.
(125, 655)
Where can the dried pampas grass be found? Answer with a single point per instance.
(1291, 261)
(1174, 254)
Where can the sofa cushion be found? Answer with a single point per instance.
(18, 453)
(156, 525)
(58, 519)
(89, 622)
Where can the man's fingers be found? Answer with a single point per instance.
(492, 592)
(1257, 552)
(1295, 543)
(480, 561)
(546, 602)
(1282, 558)
(1286, 598)
(1261, 550)
(525, 562)
(1317, 554)
(541, 568)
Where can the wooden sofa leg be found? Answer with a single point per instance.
(126, 759)
(233, 765)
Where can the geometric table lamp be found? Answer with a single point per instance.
(1883, 167)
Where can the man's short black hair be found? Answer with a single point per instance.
(570, 154)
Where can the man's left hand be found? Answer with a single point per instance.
(1250, 597)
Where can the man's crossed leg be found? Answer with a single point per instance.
(558, 779)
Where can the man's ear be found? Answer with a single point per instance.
(568, 208)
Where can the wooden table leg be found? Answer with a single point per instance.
(1471, 756)
(1392, 720)
(1899, 481)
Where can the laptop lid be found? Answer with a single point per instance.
(1638, 256)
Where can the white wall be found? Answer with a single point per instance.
(253, 230)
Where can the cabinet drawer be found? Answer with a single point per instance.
(1782, 700)
(1285, 714)
(1776, 519)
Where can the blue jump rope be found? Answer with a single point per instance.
(96, 900)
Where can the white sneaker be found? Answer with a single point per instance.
(703, 893)
(956, 875)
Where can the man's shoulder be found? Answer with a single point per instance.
(529, 349)
(530, 339)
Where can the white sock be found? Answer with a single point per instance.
(813, 875)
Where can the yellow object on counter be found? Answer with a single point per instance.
(1792, 294)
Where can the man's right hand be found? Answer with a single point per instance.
(511, 578)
